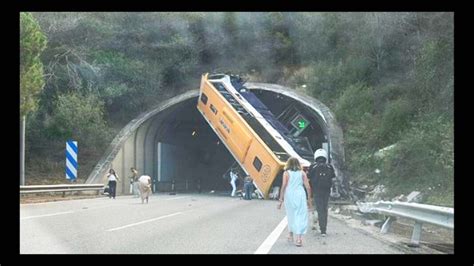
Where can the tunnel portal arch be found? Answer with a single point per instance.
(175, 146)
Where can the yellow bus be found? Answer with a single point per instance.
(256, 145)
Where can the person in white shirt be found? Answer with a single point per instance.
(112, 177)
(233, 179)
(145, 187)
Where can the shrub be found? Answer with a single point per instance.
(80, 118)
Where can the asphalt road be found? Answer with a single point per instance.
(182, 223)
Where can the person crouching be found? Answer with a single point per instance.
(145, 187)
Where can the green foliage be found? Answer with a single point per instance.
(328, 80)
(395, 120)
(433, 77)
(80, 118)
(355, 103)
(32, 43)
(387, 76)
(120, 74)
(423, 159)
(282, 44)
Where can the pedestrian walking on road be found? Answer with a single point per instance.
(112, 177)
(296, 200)
(321, 175)
(134, 183)
(145, 187)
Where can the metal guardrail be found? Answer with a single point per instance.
(60, 188)
(421, 213)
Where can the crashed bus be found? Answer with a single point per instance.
(259, 143)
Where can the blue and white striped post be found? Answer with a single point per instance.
(71, 160)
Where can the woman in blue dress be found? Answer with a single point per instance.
(296, 199)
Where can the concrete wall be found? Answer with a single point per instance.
(145, 126)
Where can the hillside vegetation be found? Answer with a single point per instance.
(388, 77)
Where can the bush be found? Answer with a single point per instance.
(433, 77)
(80, 118)
(328, 80)
(362, 164)
(395, 120)
(355, 103)
(424, 160)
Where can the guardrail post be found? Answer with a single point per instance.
(415, 237)
(64, 194)
(387, 224)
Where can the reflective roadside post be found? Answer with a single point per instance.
(71, 160)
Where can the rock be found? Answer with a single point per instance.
(372, 222)
(414, 196)
(400, 198)
(376, 194)
(383, 152)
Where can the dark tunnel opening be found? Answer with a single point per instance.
(278, 104)
(190, 153)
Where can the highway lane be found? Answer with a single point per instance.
(182, 223)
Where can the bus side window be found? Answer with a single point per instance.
(203, 98)
(257, 163)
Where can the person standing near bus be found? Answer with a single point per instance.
(112, 177)
(297, 200)
(233, 179)
(248, 188)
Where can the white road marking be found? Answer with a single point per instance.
(272, 238)
(142, 222)
(178, 198)
(45, 215)
(86, 208)
(78, 209)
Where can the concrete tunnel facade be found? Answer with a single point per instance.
(174, 145)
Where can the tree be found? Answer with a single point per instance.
(278, 26)
(32, 43)
(80, 118)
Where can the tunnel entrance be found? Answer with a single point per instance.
(189, 153)
(175, 146)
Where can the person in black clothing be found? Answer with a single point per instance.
(248, 188)
(321, 174)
